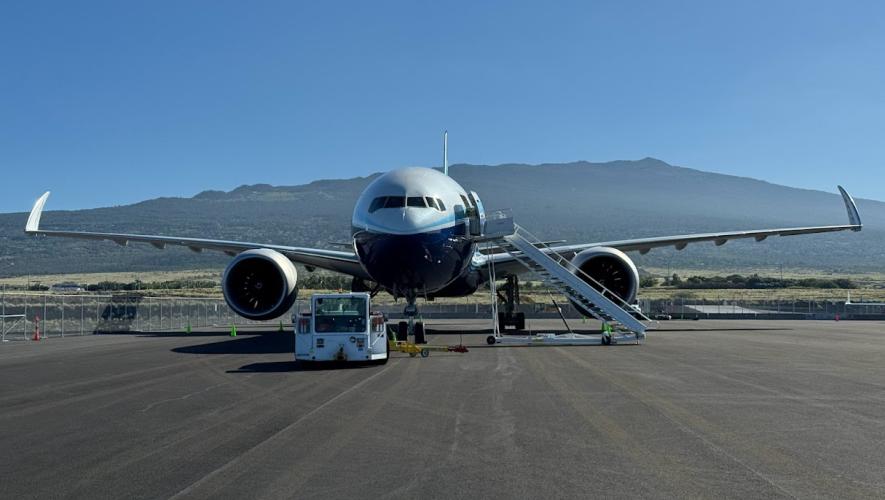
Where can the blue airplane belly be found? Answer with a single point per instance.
(424, 262)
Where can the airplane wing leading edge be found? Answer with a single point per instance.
(343, 262)
(679, 242)
(348, 263)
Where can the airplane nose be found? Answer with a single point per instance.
(411, 218)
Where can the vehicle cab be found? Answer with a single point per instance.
(340, 327)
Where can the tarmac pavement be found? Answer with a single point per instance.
(725, 409)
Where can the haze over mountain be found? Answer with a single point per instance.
(579, 202)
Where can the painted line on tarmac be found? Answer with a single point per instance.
(189, 489)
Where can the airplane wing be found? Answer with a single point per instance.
(505, 263)
(342, 262)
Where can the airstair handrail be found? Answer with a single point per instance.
(566, 263)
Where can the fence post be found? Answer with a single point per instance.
(82, 312)
(45, 330)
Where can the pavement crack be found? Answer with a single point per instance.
(180, 398)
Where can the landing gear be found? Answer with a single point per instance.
(510, 298)
(516, 320)
(419, 333)
(416, 328)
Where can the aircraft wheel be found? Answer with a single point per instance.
(490, 340)
(420, 337)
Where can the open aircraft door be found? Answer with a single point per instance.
(477, 215)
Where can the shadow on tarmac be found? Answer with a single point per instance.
(752, 329)
(262, 343)
(298, 366)
(595, 331)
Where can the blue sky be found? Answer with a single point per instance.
(114, 102)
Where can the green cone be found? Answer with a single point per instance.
(233, 330)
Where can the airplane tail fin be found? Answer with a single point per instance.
(446, 152)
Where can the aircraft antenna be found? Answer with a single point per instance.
(446, 152)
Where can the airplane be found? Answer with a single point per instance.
(413, 236)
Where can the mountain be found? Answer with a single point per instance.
(578, 202)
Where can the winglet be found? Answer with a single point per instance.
(33, 224)
(851, 207)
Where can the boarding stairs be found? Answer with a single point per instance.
(558, 272)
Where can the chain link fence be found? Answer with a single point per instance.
(81, 314)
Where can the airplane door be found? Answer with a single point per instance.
(478, 222)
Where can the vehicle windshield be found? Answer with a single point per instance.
(340, 314)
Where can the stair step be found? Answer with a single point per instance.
(553, 272)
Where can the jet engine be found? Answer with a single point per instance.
(611, 268)
(260, 284)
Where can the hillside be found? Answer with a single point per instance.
(576, 201)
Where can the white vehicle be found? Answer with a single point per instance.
(341, 327)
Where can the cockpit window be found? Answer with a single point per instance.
(377, 203)
(401, 201)
(466, 203)
(395, 202)
(417, 201)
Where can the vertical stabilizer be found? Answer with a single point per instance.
(446, 152)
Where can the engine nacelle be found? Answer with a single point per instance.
(260, 284)
(611, 268)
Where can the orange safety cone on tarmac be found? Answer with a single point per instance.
(233, 330)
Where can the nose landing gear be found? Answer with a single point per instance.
(411, 327)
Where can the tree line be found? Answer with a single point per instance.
(754, 281)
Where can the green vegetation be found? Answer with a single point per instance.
(114, 286)
(754, 281)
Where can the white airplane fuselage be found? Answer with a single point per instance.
(410, 233)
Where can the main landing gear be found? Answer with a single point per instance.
(510, 299)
